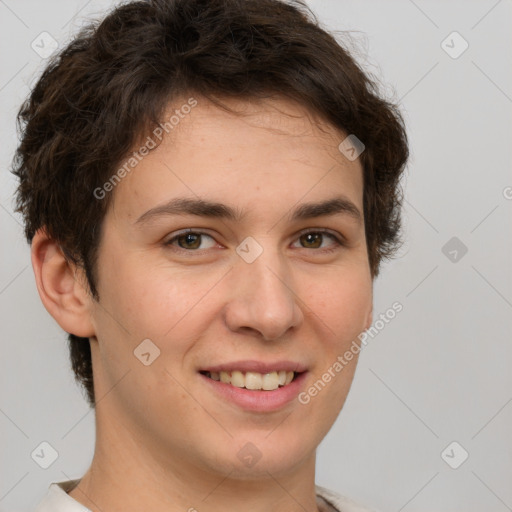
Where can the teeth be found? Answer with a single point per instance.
(270, 381)
(237, 379)
(254, 380)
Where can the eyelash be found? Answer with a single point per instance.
(338, 239)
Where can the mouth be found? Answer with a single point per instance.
(256, 386)
(254, 381)
(253, 391)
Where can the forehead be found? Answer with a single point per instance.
(272, 149)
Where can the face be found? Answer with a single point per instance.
(237, 250)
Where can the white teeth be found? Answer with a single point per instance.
(270, 381)
(237, 379)
(254, 380)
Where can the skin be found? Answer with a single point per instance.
(160, 429)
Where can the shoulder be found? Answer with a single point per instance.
(57, 499)
(340, 503)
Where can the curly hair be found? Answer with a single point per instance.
(113, 82)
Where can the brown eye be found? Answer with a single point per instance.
(311, 240)
(317, 240)
(191, 241)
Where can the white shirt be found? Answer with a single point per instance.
(57, 500)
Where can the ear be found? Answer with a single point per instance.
(62, 288)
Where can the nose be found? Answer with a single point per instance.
(263, 299)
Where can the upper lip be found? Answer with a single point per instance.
(257, 366)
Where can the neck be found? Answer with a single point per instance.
(129, 475)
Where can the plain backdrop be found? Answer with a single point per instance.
(437, 374)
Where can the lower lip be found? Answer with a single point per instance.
(258, 401)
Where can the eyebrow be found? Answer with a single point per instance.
(202, 208)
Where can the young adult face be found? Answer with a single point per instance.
(207, 306)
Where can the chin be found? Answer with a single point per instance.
(255, 457)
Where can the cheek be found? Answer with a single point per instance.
(156, 301)
(341, 309)
(344, 305)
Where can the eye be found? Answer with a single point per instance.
(191, 240)
(316, 240)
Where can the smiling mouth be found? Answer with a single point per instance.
(253, 380)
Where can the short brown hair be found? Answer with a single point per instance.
(111, 84)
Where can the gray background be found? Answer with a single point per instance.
(438, 373)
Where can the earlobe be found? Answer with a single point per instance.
(59, 287)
